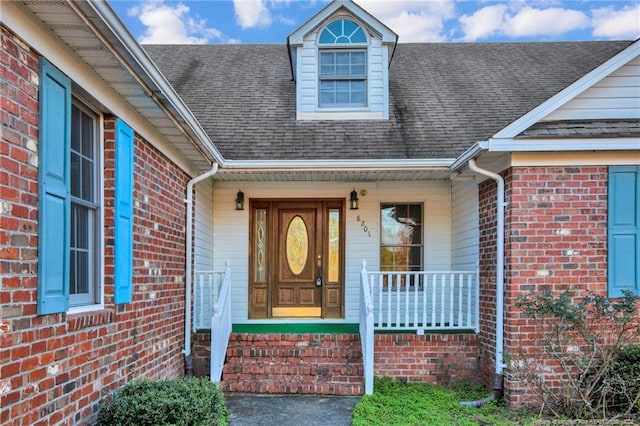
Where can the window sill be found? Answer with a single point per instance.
(341, 115)
(81, 320)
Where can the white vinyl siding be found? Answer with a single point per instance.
(615, 96)
(203, 235)
(231, 232)
(308, 90)
(464, 225)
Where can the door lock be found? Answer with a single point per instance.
(319, 276)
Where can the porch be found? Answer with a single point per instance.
(415, 326)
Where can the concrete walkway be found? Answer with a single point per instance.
(290, 410)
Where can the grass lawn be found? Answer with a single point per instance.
(395, 403)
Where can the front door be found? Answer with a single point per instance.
(297, 285)
(296, 259)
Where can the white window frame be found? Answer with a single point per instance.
(363, 77)
(96, 301)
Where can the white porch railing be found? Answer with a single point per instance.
(425, 301)
(416, 301)
(366, 329)
(213, 309)
(206, 294)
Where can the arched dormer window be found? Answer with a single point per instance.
(343, 70)
(342, 31)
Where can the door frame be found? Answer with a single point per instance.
(260, 291)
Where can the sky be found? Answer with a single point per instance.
(271, 21)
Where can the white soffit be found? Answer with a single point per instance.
(62, 21)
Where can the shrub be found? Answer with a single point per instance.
(620, 390)
(193, 402)
(580, 366)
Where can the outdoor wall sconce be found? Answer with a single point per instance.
(240, 201)
(353, 202)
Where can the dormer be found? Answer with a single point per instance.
(340, 63)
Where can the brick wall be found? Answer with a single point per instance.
(431, 358)
(556, 238)
(55, 368)
(487, 336)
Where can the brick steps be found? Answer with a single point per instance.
(326, 364)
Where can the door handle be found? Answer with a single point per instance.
(319, 271)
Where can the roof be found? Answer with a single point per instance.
(442, 97)
(584, 129)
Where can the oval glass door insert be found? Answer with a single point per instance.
(297, 245)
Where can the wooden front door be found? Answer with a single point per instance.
(298, 280)
(296, 259)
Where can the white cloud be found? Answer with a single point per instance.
(544, 22)
(413, 20)
(252, 13)
(172, 24)
(412, 27)
(484, 22)
(617, 24)
(515, 20)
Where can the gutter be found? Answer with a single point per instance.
(469, 154)
(337, 164)
(188, 361)
(108, 16)
(500, 205)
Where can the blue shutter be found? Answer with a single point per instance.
(123, 249)
(624, 238)
(54, 200)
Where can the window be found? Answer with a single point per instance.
(624, 230)
(342, 31)
(70, 200)
(342, 73)
(85, 209)
(401, 244)
(342, 79)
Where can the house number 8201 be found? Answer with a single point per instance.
(363, 225)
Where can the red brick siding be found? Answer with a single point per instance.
(555, 238)
(432, 358)
(487, 336)
(55, 368)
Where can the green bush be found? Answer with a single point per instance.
(621, 386)
(192, 402)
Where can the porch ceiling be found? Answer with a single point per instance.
(78, 27)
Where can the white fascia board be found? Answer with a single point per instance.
(388, 36)
(418, 164)
(470, 153)
(586, 144)
(541, 111)
(111, 20)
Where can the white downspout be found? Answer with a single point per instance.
(189, 274)
(500, 205)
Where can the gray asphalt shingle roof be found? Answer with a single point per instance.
(442, 97)
(624, 128)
